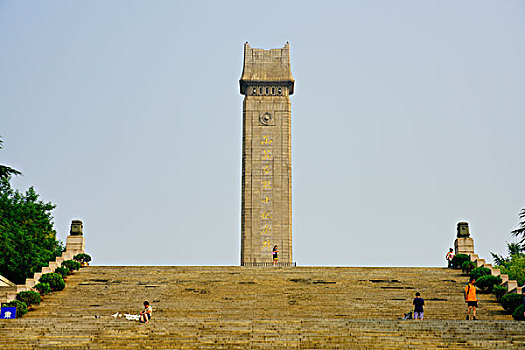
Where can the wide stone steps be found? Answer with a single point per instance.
(262, 308)
(379, 334)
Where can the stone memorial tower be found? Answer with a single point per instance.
(266, 213)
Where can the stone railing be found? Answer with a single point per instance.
(8, 293)
(75, 244)
(510, 285)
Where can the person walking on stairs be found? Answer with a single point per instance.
(418, 306)
(449, 257)
(470, 298)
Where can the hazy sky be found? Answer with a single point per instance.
(407, 117)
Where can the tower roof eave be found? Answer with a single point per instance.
(266, 67)
(244, 83)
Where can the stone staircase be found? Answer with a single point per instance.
(510, 285)
(8, 293)
(262, 308)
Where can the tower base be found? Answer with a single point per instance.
(75, 244)
(464, 245)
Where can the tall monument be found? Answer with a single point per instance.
(266, 214)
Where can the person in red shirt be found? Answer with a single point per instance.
(449, 257)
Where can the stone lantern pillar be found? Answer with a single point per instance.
(75, 242)
(463, 244)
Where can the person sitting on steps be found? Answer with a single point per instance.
(145, 315)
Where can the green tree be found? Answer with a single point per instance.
(29, 297)
(521, 230)
(6, 171)
(459, 259)
(514, 264)
(56, 282)
(512, 249)
(27, 237)
(71, 265)
(43, 288)
(515, 269)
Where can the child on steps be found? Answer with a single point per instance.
(145, 314)
(418, 306)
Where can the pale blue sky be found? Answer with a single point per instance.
(407, 117)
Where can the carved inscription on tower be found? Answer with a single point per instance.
(266, 214)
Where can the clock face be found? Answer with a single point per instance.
(266, 119)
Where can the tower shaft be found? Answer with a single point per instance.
(266, 214)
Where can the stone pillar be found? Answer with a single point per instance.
(75, 242)
(463, 243)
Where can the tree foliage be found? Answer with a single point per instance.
(514, 264)
(29, 297)
(459, 259)
(21, 307)
(479, 271)
(515, 268)
(468, 266)
(27, 237)
(512, 249)
(63, 271)
(511, 301)
(82, 258)
(518, 313)
(43, 288)
(499, 291)
(520, 231)
(55, 280)
(71, 265)
(6, 171)
(487, 282)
